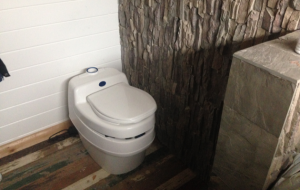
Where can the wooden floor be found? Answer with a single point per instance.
(65, 164)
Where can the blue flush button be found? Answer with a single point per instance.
(102, 83)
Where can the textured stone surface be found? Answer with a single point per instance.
(244, 152)
(180, 52)
(243, 11)
(278, 57)
(281, 6)
(286, 17)
(288, 142)
(272, 3)
(260, 126)
(268, 19)
(258, 96)
(293, 21)
(296, 4)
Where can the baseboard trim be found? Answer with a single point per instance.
(32, 139)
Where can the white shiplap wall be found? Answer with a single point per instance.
(44, 44)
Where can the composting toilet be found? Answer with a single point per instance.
(115, 121)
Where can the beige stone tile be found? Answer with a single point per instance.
(288, 142)
(244, 152)
(259, 96)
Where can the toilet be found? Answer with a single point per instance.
(115, 121)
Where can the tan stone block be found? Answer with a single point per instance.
(258, 5)
(296, 4)
(272, 3)
(244, 152)
(234, 8)
(268, 19)
(255, 94)
(242, 12)
(286, 17)
(293, 21)
(288, 140)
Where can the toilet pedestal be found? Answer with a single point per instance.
(113, 164)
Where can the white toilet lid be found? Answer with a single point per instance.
(122, 104)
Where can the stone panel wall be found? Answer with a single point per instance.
(259, 131)
(180, 52)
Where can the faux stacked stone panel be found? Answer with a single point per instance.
(180, 51)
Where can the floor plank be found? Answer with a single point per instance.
(65, 176)
(35, 170)
(177, 181)
(133, 181)
(88, 180)
(37, 155)
(28, 141)
(67, 165)
(217, 184)
(152, 176)
(33, 148)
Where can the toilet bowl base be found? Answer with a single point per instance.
(113, 164)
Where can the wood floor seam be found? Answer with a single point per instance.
(67, 165)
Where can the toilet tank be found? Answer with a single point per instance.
(85, 84)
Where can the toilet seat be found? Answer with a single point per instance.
(122, 104)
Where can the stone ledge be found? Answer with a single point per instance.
(277, 57)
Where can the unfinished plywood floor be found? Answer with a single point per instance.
(65, 164)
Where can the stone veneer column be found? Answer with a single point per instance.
(260, 121)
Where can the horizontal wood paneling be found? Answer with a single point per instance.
(54, 85)
(20, 18)
(47, 87)
(30, 37)
(56, 51)
(31, 125)
(11, 4)
(44, 44)
(17, 113)
(60, 67)
(29, 93)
